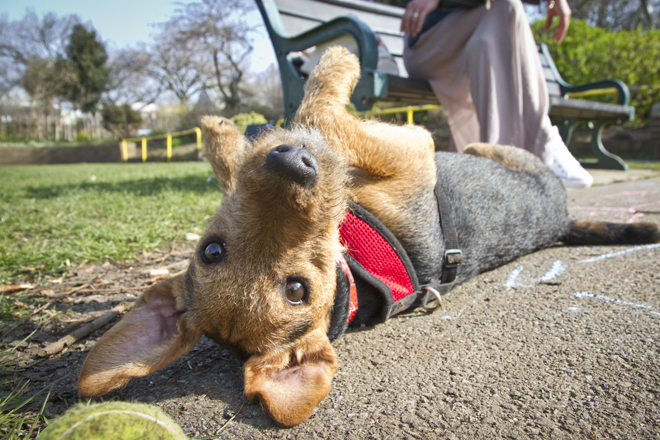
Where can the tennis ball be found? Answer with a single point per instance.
(113, 420)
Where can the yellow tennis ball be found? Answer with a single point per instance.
(113, 420)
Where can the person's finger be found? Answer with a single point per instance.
(561, 30)
(406, 21)
(418, 18)
(416, 11)
(563, 11)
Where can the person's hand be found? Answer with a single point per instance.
(416, 12)
(559, 8)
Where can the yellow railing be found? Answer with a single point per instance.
(409, 110)
(612, 90)
(595, 92)
(168, 136)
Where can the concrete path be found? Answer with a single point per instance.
(563, 343)
(603, 177)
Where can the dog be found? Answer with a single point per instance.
(276, 276)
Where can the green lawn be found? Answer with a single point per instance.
(643, 165)
(95, 212)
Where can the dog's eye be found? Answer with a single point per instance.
(213, 252)
(295, 292)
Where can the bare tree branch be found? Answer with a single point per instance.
(130, 82)
(31, 38)
(178, 64)
(222, 32)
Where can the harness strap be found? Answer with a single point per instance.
(452, 257)
(453, 254)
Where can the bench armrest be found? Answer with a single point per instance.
(621, 88)
(363, 35)
(284, 44)
(372, 84)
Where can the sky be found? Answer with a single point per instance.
(123, 22)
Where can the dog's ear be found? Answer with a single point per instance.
(225, 146)
(149, 337)
(289, 385)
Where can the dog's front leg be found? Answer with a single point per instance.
(378, 149)
(393, 164)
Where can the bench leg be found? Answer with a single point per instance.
(293, 95)
(606, 160)
(566, 127)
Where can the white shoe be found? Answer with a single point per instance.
(563, 164)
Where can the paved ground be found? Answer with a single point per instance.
(564, 343)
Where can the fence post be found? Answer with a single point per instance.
(144, 149)
(410, 115)
(169, 147)
(124, 150)
(198, 132)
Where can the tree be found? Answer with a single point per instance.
(266, 88)
(129, 79)
(616, 15)
(46, 80)
(121, 120)
(220, 29)
(177, 63)
(88, 58)
(29, 50)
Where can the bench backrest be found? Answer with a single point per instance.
(384, 20)
(299, 16)
(553, 79)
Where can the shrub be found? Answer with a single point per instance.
(83, 136)
(242, 120)
(121, 120)
(590, 54)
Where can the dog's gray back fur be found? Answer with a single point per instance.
(499, 215)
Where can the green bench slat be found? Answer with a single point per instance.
(583, 109)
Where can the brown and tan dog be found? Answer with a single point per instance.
(264, 278)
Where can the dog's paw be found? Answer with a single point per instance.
(514, 158)
(335, 76)
(217, 127)
(483, 149)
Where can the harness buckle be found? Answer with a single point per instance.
(453, 258)
(428, 299)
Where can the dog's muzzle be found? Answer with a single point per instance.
(293, 162)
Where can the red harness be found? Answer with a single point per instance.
(378, 255)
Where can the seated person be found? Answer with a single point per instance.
(484, 67)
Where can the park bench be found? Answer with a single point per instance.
(297, 25)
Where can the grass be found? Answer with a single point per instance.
(56, 216)
(14, 396)
(643, 165)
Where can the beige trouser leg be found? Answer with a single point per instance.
(484, 67)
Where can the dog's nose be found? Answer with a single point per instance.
(294, 162)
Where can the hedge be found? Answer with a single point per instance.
(590, 54)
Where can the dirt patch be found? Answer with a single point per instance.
(93, 154)
(60, 155)
(562, 343)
